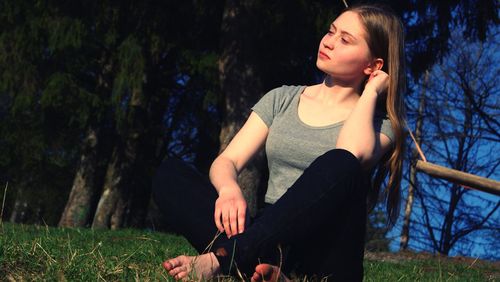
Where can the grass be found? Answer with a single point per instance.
(30, 252)
(428, 270)
(44, 253)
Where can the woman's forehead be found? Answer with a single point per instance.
(350, 22)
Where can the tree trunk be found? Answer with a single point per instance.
(405, 232)
(21, 208)
(114, 202)
(153, 146)
(456, 192)
(18, 209)
(78, 210)
(137, 203)
(240, 86)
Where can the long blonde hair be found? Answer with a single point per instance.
(386, 41)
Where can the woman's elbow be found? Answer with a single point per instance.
(365, 154)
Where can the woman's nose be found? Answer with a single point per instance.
(329, 42)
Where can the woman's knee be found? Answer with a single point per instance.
(338, 162)
(175, 178)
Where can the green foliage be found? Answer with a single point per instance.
(65, 33)
(128, 80)
(65, 67)
(65, 102)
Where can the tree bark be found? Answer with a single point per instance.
(78, 210)
(21, 209)
(114, 201)
(18, 210)
(111, 192)
(240, 87)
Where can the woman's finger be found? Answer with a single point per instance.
(241, 219)
(217, 218)
(225, 222)
(233, 219)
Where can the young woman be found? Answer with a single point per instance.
(329, 147)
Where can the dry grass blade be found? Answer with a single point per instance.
(47, 254)
(3, 202)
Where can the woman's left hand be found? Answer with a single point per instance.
(378, 82)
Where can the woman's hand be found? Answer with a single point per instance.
(378, 82)
(230, 211)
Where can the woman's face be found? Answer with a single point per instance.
(343, 52)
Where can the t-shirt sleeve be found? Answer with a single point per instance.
(383, 125)
(269, 105)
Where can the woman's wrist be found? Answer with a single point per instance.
(369, 97)
(229, 189)
(371, 93)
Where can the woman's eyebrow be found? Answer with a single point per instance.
(332, 26)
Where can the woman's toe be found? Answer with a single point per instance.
(256, 277)
(181, 275)
(167, 265)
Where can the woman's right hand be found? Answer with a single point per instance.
(230, 211)
(231, 207)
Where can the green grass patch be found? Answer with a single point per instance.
(435, 269)
(30, 252)
(43, 253)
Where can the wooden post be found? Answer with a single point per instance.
(470, 180)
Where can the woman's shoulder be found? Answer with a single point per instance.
(283, 95)
(276, 101)
(288, 90)
(312, 88)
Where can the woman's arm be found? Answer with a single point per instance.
(358, 135)
(230, 207)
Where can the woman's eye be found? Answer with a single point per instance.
(344, 40)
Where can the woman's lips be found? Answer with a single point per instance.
(323, 56)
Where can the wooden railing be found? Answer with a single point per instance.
(465, 179)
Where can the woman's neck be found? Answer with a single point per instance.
(336, 94)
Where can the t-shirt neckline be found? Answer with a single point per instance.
(296, 113)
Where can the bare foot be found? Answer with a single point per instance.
(202, 267)
(266, 272)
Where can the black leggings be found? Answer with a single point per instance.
(316, 228)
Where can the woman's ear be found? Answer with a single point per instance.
(375, 65)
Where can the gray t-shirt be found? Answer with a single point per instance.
(292, 145)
